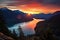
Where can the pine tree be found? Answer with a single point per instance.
(21, 35)
(15, 35)
(14, 32)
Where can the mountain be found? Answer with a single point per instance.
(53, 22)
(53, 26)
(11, 17)
(43, 16)
(16, 16)
(57, 13)
(46, 16)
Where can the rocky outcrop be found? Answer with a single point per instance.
(4, 37)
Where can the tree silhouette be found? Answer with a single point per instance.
(21, 34)
(14, 32)
(15, 35)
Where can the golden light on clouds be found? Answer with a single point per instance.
(35, 8)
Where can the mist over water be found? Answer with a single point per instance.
(27, 27)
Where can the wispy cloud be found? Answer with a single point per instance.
(19, 2)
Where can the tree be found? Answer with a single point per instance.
(21, 35)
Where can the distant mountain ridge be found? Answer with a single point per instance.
(43, 16)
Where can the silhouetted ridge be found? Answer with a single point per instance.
(55, 23)
(43, 16)
(57, 12)
(55, 18)
(18, 12)
(14, 17)
(49, 29)
(5, 9)
(40, 26)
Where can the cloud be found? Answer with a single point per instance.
(27, 5)
(52, 2)
(20, 2)
(6, 2)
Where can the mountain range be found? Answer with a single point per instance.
(16, 16)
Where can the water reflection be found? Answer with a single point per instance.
(27, 27)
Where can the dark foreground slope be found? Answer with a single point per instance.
(49, 29)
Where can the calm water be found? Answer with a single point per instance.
(27, 27)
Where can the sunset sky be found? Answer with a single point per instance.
(32, 6)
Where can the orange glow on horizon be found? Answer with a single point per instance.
(28, 14)
(35, 8)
